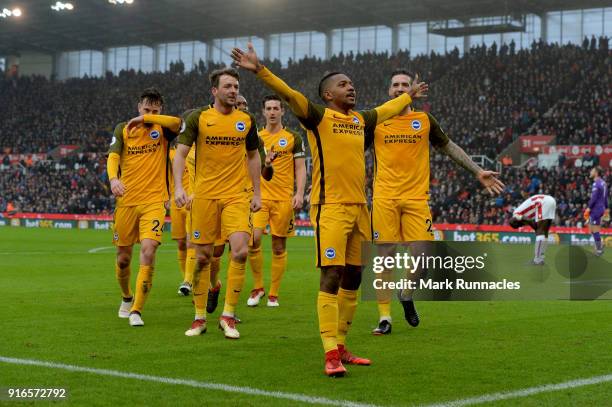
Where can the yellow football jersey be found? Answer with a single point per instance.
(220, 142)
(401, 151)
(331, 136)
(143, 163)
(287, 145)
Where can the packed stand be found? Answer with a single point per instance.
(75, 185)
(464, 200)
(583, 115)
(483, 99)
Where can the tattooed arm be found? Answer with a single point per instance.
(441, 141)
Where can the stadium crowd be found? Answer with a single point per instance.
(76, 185)
(484, 100)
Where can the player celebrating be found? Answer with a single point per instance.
(538, 212)
(140, 152)
(277, 199)
(220, 206)
(339, 212)
(400, 210)
(597, 208)
(267, 171)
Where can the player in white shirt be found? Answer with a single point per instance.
(538, 212)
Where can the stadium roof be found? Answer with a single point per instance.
(96, 24)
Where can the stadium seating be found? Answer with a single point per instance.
(484, 100)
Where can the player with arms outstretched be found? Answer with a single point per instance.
(338, 212)
(137, 170)
(538, 212)
(400, 209)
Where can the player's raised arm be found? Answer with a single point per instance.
(442, 142)
(169, 122)
(248, 60)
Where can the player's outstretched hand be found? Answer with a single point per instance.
(297, 201)
(180, 197)
(117, 187)
(247, 60)
(135, 122)
(418, 90)
(489, 180)
(255, 203)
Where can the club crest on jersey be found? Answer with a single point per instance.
(282, 142)
(330, 253)
(116, 236)
(376, 235)
(196, 234)
(154, 135)
(355, 120)
(240, 126)
(416, 124)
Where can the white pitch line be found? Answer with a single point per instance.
(191, 383)
(99, 249)
(529, 391)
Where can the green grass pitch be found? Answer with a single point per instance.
(59, 304)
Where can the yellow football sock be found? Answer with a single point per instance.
(235, 281)
(384, 308)
(347, 305)
(256, 261)
(144, 282)
(123, 277)
(190, 262)
(327, 308)
(215, 265)
(181, 256)
(279, 264)
(383, 297)
(201, 282)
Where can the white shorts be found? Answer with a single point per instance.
(537, 208)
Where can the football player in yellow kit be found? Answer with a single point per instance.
(137, 170)
(400, 209)
(336, 136)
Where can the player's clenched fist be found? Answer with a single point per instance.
(180, 197)
(117, 187)
(256, 203)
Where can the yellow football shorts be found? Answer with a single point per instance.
(132, 224)
(339, 231)
(401, 220)
(215, 219)
(277, 214)
(178, 217)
